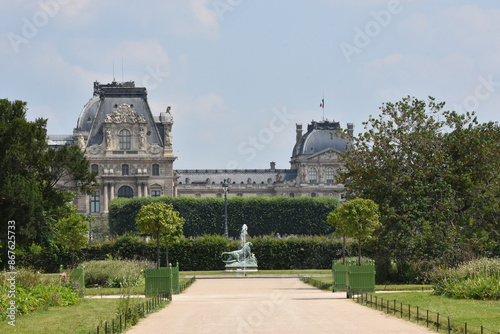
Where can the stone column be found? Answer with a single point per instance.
(139, 190)
(112, 195)
(146, 190)
(105, 193)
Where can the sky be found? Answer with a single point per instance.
(240, 74)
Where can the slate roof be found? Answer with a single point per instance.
(106, 99)
(319, 138)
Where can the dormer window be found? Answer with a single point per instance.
(125, 139)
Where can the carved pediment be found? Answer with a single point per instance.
(329, 155)
(125, 114)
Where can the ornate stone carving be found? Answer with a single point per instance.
(330, 156)
(154, 149)
(107, 133)
(81, 142)
(142, 135)
(95, 149)
(125, 114)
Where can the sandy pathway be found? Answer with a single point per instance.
(259, 305)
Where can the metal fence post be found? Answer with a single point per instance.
(437, 322)
(417, 315)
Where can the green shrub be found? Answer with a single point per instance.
(354, 259)
(114, 273)
(32, 292)
(476, 279)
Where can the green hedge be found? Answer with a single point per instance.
(263, 215)
(203, 253)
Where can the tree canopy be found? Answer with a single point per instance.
(72, 231)
(358, 219)
(163, 222)
(32, 175)
(435, 176)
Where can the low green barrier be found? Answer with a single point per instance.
(339, 276)
(353, 278)
(163, 280)
(424, 317)
(360, 279)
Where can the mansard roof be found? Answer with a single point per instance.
(107, 98)
(320, 136)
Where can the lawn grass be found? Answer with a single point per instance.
(474, 312)
(382, 287)
(76, 319)
(135, 290)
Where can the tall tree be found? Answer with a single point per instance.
(412, 162)
(72, 231)
(162, 221)
(358, 219)
(31, 192)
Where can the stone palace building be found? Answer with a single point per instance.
(132, 151)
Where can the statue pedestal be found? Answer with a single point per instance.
(251, 268)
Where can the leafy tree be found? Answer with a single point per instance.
(161, 220)
(414, 161)
(72, 231)
(35, 180)
(358, 219)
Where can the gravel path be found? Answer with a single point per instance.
(260, 305)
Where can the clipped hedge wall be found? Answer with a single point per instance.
(263, 215)
(203, 253)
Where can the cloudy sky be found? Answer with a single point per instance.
(239, 74)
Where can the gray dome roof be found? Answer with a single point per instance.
(88, 114)
(320, 136)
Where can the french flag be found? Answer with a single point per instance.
(322, 104)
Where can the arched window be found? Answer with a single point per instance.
(292, 195)
(94, 168)
(313, 194)
(156, 169)
(124, 138)
(125, 170)
(239, 194)
(312, 175)
(126, 192)
(330, 175)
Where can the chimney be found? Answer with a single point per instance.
(298, 139)
(350, 129)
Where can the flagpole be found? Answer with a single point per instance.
(323, 106)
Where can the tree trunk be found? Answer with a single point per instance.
(359, 251)
(166, 252)
(343, 248)
(158, 250)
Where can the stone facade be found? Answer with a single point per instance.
(129, 148)
(132, 152)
